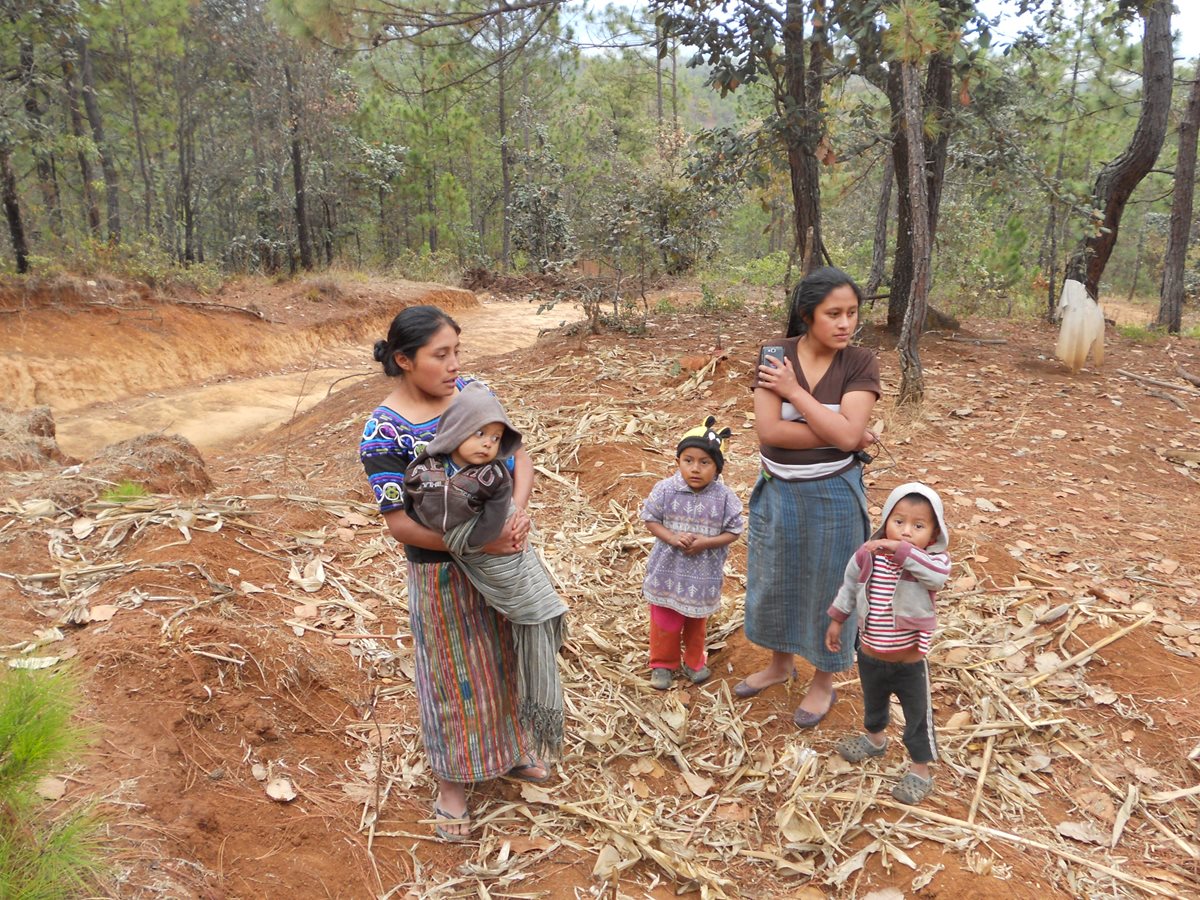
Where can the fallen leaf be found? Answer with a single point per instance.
(964, 583)
(923, 879)
(33, 662)
(259, 771)
(985, 505)
(959, 719)
(50, 788)
(247, 588)
(522, 844)
(1082, 831)
(1144, 536)
(1046, 662)
(102, 612)
(838, 766)
(608, 863)
(796, 828)
(1104, 696)
(281, 789)
(1097, 804)
(730, 811)
(306, 611)
(699, 785)
(82, 527)
(312, 578)
(1037, 762)
(958, 654)
(534, 794)
(1143, 773)
(359, 792)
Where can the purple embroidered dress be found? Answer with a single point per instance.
(690, 585)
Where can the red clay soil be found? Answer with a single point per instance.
(208, 670)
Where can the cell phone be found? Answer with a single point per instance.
(770, 351)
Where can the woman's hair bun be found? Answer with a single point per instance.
(380, 351)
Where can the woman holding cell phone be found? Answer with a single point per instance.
(813, 397)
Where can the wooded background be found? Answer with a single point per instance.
(241, 136)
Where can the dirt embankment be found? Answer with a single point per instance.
(259, 632)
(113, 362)
(85, 342)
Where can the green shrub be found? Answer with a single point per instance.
(769, 271)
(124, 492)
(711, 301)
(1143, 334)
(442, 267)
(41, 858)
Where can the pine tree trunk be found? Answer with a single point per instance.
(306, 254)
(43, 161)
(912, 377)
(12, 208)
(112, 186)
(505, 170)
(802, 130)
(1170, 309)
(658, 74)
(91, 212)
(936, 100)
(135, 111)
(879, 245)
(1118, 178)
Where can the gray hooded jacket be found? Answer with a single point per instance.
(922, 575)
(442, 501)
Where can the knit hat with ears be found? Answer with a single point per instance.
(705, 438)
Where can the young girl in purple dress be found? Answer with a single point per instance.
(695, 517)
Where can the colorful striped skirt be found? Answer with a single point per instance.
(801, 535)
(466, 674)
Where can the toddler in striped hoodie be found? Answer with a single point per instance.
(890, 585)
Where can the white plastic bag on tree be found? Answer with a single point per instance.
(1082, 328)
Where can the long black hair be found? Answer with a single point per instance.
(812, 289)
(410, 331)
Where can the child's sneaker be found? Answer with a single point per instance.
(856, 749)
(912, 788)
(697, 676)
(660, 679)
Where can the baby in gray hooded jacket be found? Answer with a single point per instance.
(461, 474)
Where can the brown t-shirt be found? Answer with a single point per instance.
(852, 369)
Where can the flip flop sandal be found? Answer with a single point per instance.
(856, 749)
(805, 719)
(744, 690)
(912, 789)
(446, 818)
(520, 772)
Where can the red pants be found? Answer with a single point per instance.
(667, 627)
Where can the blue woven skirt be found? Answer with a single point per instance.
(802, 534)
